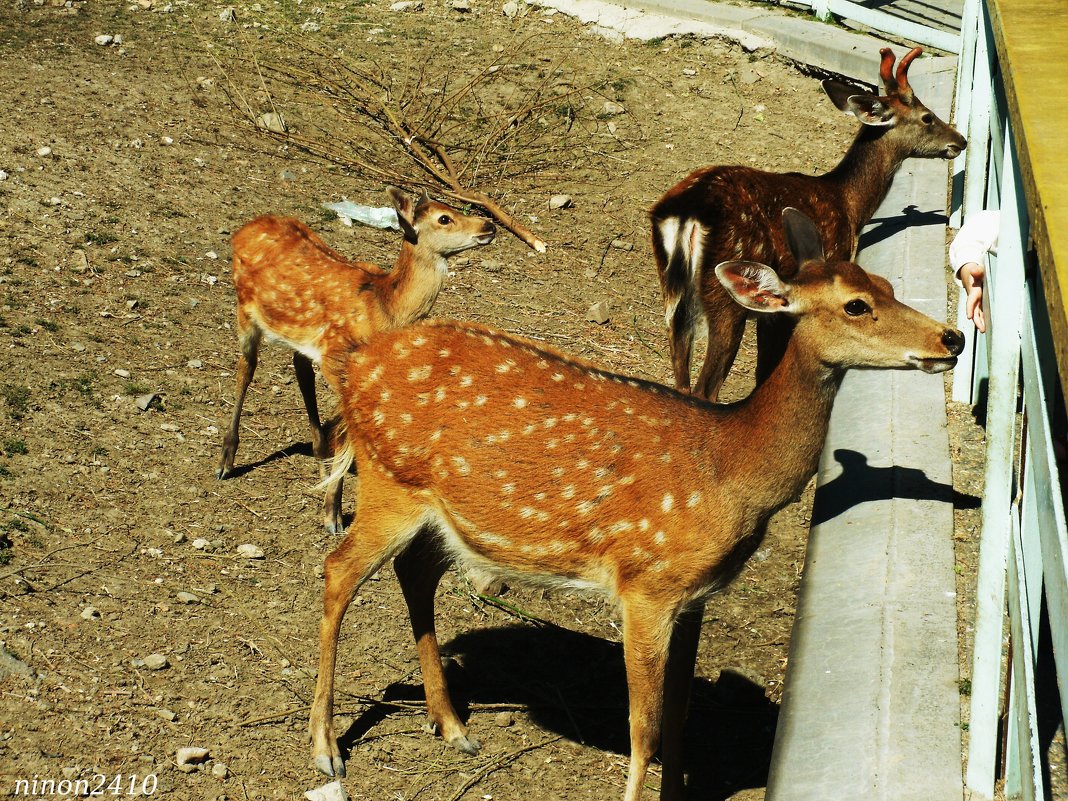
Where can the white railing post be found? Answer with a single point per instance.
(962, 103)
(1005, 282)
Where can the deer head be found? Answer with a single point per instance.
(920, 132)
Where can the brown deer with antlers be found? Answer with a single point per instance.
(731, 212)
(293, 288)
(478, 446)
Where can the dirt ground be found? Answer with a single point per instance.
(124, 175)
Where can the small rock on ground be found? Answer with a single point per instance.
(328, 792)
(598, 313)
(156, 662)
(250, 551)
(191, 755)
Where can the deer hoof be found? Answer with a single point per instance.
(331, 766)
(469, 745)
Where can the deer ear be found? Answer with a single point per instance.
(870, 110)
(802, 236)
(839, 92)
(405, 213)
(755, 286)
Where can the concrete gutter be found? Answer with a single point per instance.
(803, 40)
(871, 708)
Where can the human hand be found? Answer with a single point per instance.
(972, 276)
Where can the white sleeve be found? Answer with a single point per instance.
(977, 237)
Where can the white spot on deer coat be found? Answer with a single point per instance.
(668, 503)
(420, 373)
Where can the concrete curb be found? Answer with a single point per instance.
(871, 708)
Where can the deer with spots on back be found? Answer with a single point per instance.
(293, 288)
(731, 212)
(477, 446)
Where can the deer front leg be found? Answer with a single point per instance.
(419, 569)
(646, 636)
(249, 339)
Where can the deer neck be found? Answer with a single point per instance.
(783, 426)
(863, 176)
(414, 283)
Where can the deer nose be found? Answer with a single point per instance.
(953, 340)
(953, 149)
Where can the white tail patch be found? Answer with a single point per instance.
(687, 240)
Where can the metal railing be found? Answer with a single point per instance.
(1023, 545)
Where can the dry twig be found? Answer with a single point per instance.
(424, 126)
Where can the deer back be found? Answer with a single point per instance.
(296, 288)
(543, 465)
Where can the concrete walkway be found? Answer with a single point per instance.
(871, 709)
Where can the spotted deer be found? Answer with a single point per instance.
(477, 446)
(731, 212)
(293, 288)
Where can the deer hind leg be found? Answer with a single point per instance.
(332, 521)
(673, 249)
(678, 681)
(646, 636)
(726, 324)
(680, 340)
(773, 335)
(388, 519)
(249, 336)
(302, 366)
(419, 570)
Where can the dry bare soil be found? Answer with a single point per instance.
(126, 171)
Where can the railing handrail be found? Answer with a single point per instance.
(1017, 125)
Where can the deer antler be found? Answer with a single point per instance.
(886, 68)
(903, 69)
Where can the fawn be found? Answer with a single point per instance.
(478, 446)
(294, 288)
(731, 212)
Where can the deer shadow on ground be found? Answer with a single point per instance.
(882, 228)
(860, 483)
(294, 449)
(574, 684)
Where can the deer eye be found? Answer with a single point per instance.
(444, 219)
(857, 307)
(927, 119)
